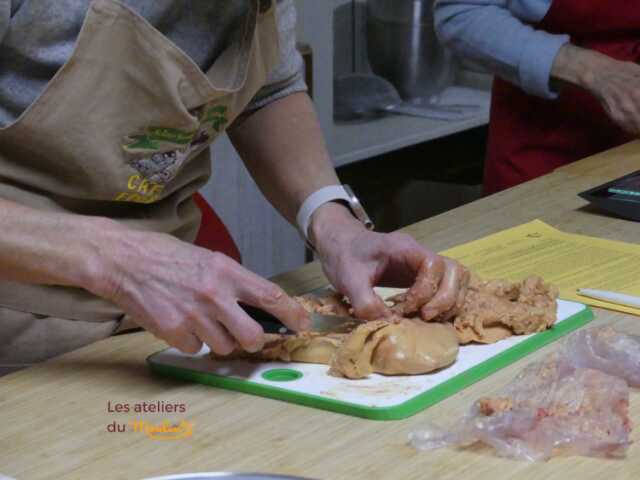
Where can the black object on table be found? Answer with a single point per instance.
(620, 197)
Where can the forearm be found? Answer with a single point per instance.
(283, 148)
(49, 248)
(615, 83)
(489, 32)
(577, 66)
(183, 294)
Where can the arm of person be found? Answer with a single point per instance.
(280, 141)
(615, 83)
(539, 62)
(182, 293)
(48, 248)
(282, 146)
(488, 32)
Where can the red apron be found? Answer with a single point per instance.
(531, 136)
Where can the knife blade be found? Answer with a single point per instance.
(271, 324)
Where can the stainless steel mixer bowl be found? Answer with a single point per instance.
(403, 48)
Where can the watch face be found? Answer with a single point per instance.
(357, 208)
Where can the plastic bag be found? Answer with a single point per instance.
(554, 407)
(605, 349)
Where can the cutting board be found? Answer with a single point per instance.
(378, 397)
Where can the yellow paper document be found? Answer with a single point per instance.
(567, 260)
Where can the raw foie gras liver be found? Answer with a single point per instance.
(489, 311)
(484, 312)
(329, 304)
(496, 309)
(409, 347)
(308, 347)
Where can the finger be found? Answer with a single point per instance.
(636, 121)
(173, 329)
(462, 293)
(246, 331)
(445, 298)
(628, 114)
(430, 275)
(258, 292)
(624, 111)
(415, 258)
(367, 305)
(183, 340)
(635, 96)
(215, 336)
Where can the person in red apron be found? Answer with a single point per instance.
(97, 184)
(570, 83)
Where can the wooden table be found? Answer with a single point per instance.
(54, 416)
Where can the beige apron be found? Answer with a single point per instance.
(121, 131)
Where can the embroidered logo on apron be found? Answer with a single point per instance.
(158, 153)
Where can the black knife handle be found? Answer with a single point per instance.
(269, 323)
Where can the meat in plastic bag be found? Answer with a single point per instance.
(552, 408)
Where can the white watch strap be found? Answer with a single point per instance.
(313, 201)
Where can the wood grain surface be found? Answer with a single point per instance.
(54, 417)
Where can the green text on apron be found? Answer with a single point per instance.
(121, 131)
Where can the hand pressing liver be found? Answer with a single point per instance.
(486, 311)
(187, 295)
(355, 260)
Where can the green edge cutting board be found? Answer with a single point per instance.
(378, 397)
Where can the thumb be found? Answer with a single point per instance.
(367, 305)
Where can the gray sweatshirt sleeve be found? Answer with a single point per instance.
(494, 33)
(287, 77)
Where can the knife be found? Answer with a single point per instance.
(271, 324)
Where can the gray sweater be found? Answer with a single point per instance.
(499, 34)
(38, 36)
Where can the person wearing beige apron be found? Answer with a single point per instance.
(97, 176)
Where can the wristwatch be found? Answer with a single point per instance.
(332, 193)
